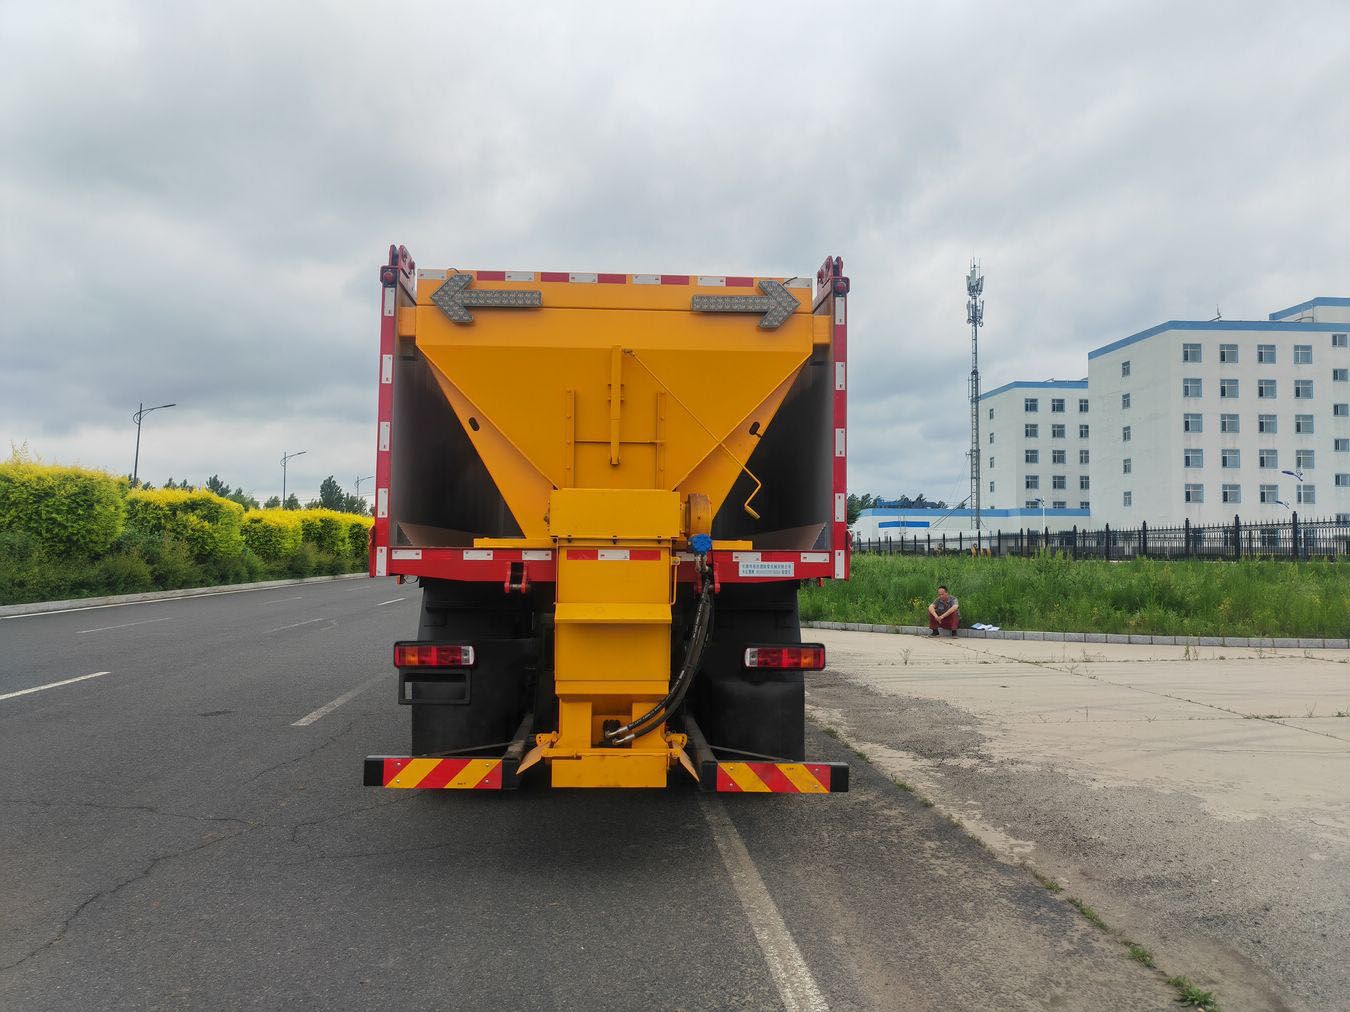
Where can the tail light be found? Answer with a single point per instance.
(806, 657)
(433, 655)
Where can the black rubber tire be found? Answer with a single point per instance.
(762, 712)
(494, 690)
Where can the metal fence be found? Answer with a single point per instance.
(1294, 539)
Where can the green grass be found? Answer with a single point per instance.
(1056, 594)
(1191, 996)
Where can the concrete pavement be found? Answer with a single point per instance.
(1197, 797)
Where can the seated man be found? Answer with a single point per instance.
(944, 612)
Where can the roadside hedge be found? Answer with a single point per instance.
(68, 510)
(67, 532)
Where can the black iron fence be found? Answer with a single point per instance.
(1291, 539)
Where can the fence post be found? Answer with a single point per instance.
(1000, 541)
(1237, 538)
(1186, 536)
(1143, 539)
(929, 536)
(960, 542)
(1108, 542)
(1293, 524)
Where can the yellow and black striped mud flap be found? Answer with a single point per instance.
(774, 777)
(458, 773)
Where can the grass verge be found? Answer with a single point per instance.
(1056, 594)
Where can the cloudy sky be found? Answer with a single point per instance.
(194, 198)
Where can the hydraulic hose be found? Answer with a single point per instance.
(693, 657)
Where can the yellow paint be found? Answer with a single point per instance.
(802, 778)
(745, 779)
(414, 773)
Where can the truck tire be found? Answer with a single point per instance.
(759, 712)
(484, 704)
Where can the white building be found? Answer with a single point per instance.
(1205, 420)
(1037, 449)
(882, 522)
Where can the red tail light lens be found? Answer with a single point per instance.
(433, 655)
(807, 657)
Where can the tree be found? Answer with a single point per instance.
(243, 499)
(220, 488)
(331, 496)
(355, 504)
(857, 503)
(273, 503)
(292, 503)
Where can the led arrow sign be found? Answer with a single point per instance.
(454, 298)
(777, 304)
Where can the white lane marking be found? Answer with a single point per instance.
(328, 708)
(124, 625)
(796, 986)
(394, 600)
(162, 600)
(295, 625)
(53, 685)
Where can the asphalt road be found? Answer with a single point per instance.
(188, 829)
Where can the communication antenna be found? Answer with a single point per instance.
(975, 317)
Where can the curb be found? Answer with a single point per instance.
(1316, 643)
(39, 607)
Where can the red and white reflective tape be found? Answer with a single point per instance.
(613, 554)
(595, 278)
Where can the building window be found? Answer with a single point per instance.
(1193, 458)
(1228, 354)
(1083, 504)
(1265, 354)
(991, 462)
(1306, 495)
(1191, 422)
(1124, 402)
(1056, 432)
(1034, 504)
(1083, 402)
(991, 488)
(1058, 481)
(1342, 480)
(1228, 388)
(1267, 424)
(1033, 481)
(1125, 434)
(1270, 493)
(1340, 340)
(1083, 483)
(1302, 354)
(1341, 410)
(1126, 465)
(1303, 425)
(1057, 405)
(1340, 375)
(1033, 456)
(1303, 390)
(1232, 493)
(991, 414)
(1195, 493)
(1228, 423)
(1268, 458)
(1031, 404)
(1127, 498)
(1083, 457)
(1058, 504)
(1230, 458)
(991, 437)
(1265, 388)
(1191, 387)
(1031, 430)
(1082, 432)
(1190, 353)
(1342, 446)
(1303, 460)
(1058, 457)
(1125, 368)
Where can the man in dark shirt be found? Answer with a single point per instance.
(944, 612)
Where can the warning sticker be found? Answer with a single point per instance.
(767, 569)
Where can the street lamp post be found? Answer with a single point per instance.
(1041, 502)
(369, 477)
(285, 459)
(141, 412)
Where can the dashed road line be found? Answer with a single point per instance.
(796, 985)
(54, 685)
(124, 625)
(296, 625)
(328, 708)
(394, 600)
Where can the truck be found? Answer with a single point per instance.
(609, 488)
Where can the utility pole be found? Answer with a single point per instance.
(141, 412)
(975, 317)
(285, 459)
(368, 477)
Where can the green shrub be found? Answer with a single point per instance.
(209, 525)
(272, 535)
(69, 510)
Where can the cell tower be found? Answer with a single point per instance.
(975, 317)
